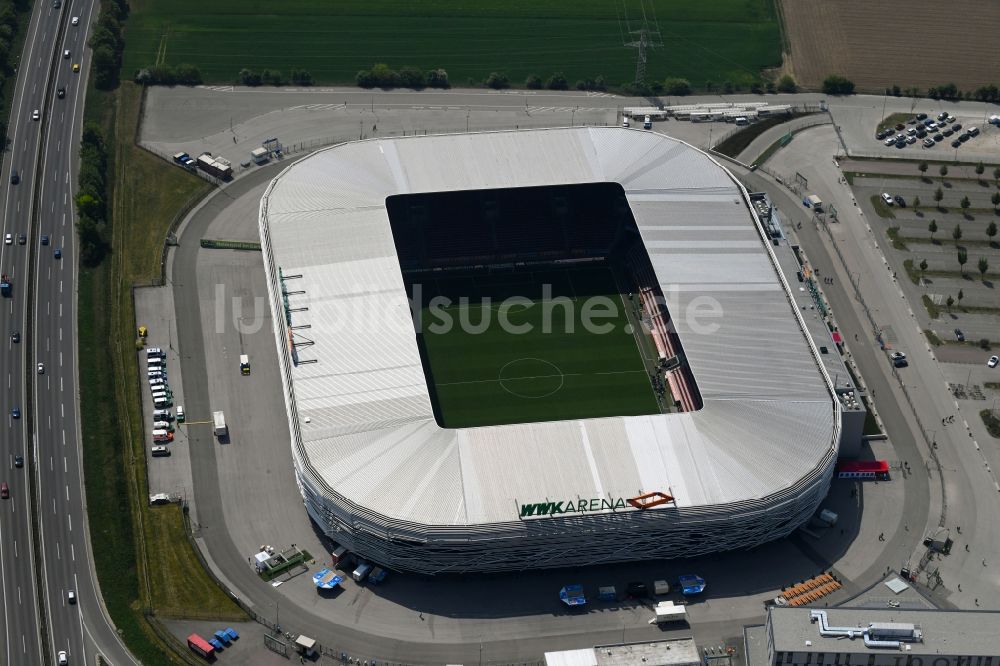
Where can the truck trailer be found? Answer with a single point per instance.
(215, 166)
(220, 424)
(5, 285)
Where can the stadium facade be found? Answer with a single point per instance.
(380, 476)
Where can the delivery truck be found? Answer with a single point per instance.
(220, 424)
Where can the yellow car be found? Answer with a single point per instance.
(76, 67)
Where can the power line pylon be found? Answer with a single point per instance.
(646, 36)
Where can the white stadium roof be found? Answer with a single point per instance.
(362, 411)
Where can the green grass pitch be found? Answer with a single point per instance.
(495, 376)
(719, 40)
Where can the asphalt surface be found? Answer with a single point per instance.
(45, 154)
(903, 521)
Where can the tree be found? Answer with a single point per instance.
(923, 265)
(950, 302)
(991, 231)
(677, 87)
(938, 196)
(497, 80)
(837, 85)
(932, 227)
(786, 84)
(923, 168)
(956, 233)
(533, 82)
(364, 78)
(996, 200)
(963, 256)
(961, 295)
(984, 265)
(996, 176)
(916, 203)
(943, 171)
(980, 168)
(965, 203)
(301, 77)
(557, 82)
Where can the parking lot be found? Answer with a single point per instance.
(170, 474)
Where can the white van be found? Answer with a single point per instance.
(161, 403)
(159, 395)
(154, 351)
(742, 120)
(160, 451)
(647, 123)
(163, 425)
(154, 374)
(161, 436)
(162, 415)
(180, 414)
(154, 364)
(157, 385)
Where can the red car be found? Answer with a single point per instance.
(4, 491)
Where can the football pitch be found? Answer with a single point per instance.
(526, 347)
(722, 40)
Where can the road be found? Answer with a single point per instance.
(40, 206)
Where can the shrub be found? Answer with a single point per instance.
(677, 86)
(412, 77)
(248, 77)
(533, 82)
(497, 81)
(786, 84)
(557, 82)
(837, 85)
(437, 78)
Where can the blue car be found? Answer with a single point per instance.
(45, 240)
(58, 253)
(16, 412)
(216, 644)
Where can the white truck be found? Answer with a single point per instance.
(220, 424)
(666, 611)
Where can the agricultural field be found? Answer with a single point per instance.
(718, 41)
(875, 44)
(531, 362)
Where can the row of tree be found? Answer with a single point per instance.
(956, 233)
(91, 198)
(383, 76)
(169, 75)
(9, 26)
(275, 77)
(107, 43)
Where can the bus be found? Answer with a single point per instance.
(863, 469)
(201, 646)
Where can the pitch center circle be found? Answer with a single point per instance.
(531, 378)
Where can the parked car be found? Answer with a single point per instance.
(938, 138)
(943, 115)
(910, 140)
(900, 127)
(928, 143)
(959, 335)
(887, 198)
(890, 141)
(956, 143)
(963, 137)
(973, 131)
(948, 132)
(992, 363)
(956, 127)
(900, 201)
(921, 116)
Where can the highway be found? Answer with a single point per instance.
(40, 206)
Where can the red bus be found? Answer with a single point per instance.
(201, 646)
(863, 469)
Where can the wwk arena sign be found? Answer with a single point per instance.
(550, 509)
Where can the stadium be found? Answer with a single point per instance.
(695, 417)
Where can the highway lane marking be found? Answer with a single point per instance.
(69, 517)
(60, 286)
(72, 552)
(58, 551)
(67, 493)
(65, 469)
(60, 353)
(62, 413)
(61, 388)
(64, 438)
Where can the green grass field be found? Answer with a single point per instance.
(718, 41)
(488, 374)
